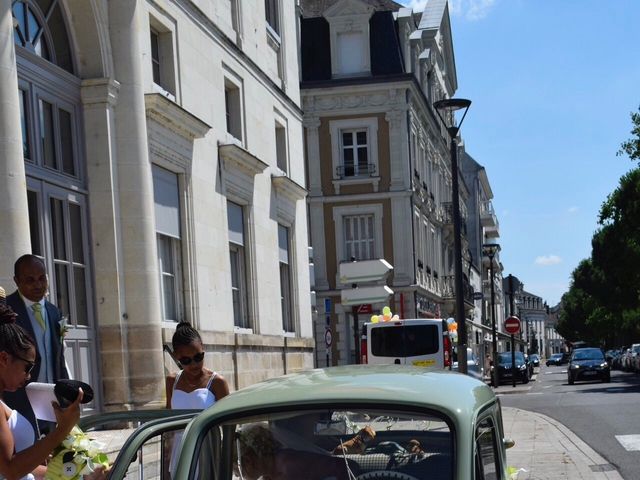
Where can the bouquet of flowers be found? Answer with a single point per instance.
(78, 455)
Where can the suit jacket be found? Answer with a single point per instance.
(18, 400)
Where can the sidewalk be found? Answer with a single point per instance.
(548, 450)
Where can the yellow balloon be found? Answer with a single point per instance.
(386, 310)
(374, 319)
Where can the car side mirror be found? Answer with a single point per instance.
(508, 442)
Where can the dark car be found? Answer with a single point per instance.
(554, 359)
(588, 364)
(505, 370)
(535, 359)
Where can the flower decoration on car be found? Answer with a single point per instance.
(76, 456)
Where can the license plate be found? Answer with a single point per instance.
(590, 373)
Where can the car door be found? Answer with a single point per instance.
(139, 444)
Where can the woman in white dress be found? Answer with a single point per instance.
(20, 455)
(195, 387)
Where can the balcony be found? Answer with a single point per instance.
(448, 291)
(489, 220)
(349, 171)
(447, 217)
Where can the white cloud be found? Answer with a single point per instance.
(546, 260)
(416, 5)
(573, 209)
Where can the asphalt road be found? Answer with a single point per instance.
(604, 415)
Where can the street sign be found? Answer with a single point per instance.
(365, 308)
(512, 325)
(327, 305)
(327, 337)
(364, 271)
(361, 295)
(478, 296)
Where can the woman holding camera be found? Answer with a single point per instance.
(20, 455)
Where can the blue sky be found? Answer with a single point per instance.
(553, 83)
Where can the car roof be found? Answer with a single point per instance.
(451, 393)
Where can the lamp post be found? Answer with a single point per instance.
(449, 106)
(490, 250)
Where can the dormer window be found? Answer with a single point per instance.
(349, 31)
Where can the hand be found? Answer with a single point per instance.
(99, 473)
(68, 417)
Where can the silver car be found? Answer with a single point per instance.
(474, 368)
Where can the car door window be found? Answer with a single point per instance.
(487, 458)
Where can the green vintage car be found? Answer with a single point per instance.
(358, 422)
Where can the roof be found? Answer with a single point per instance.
(451, 393)
(315, 8)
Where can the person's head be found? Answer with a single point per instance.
(188, 349)
(257, 448)
(30, 276)
(17, 352)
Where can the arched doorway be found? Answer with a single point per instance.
(53, 149)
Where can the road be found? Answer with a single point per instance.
(604, 415)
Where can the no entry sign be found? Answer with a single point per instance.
(512, 325)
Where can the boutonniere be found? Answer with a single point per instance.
(64, 327)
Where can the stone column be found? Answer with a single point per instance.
(99, 97)
(14, 214)
(141, 315)
(398, 148)
(311, 125)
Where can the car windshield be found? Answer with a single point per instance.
(588, 354)
(556, 355)
(332, 443)
(505, 357)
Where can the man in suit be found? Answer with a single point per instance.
(42, 320)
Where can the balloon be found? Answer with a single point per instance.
(375, 319)
(386, 317)
(386, 310)
(395, 318)
(450, 320)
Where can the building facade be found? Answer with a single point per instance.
(153, 157)
(379, 167)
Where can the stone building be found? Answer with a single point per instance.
(379, 169)
(152, 155)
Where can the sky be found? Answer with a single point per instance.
(552, 85)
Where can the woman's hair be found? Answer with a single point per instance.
(185, 335)
(13, 338)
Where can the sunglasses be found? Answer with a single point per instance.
(29, 364)
(197, 358)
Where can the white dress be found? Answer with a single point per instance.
(22, 431)
(199, 399)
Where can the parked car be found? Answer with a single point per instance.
(588, 364)
(505, 370)
(409, 424)
(635, 358)
(474, 368)
(554, 359)
(535, 359)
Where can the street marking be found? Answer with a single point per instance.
(630, 442)
(616, 389)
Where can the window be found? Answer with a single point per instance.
(271, 13)
(40, 28)
(24, 122)
(237, 257)
(162, 65)
(354, 144)
(487, 460)
(281, 147)
(168, 238)
(355, 153)
(351, 49)
(285, 279)
(349, 37)
(359, 237)
(56, 131)
(233, 109)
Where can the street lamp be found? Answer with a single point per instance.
(449, 106)
(490, 250)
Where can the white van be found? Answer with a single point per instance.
(423, 342)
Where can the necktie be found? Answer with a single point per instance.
(37, 312)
